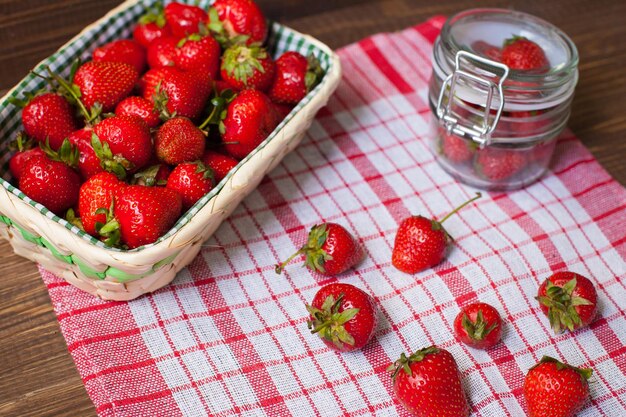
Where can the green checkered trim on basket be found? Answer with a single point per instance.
(120, 25)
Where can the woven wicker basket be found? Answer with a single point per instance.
(114, 274)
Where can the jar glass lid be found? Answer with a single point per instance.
(483, 31)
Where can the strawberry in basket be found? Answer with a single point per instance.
(295, 76)
(237, 21)
(184, 19)
(140, 215)
(151, 26)
(50, 179)
(247, 67)
(47, 117)
(250, 118)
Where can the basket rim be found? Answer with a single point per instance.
(87, 243)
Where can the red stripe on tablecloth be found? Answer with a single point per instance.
(385, 67)
(430, 29)
(100, 338)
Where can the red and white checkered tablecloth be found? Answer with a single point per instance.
(229, 336)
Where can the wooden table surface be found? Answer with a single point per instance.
(37, 375)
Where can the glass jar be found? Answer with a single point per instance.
(492, 126)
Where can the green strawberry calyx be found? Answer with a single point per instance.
(67, 153)
(585, 373)
(22, 143)
(477, 330)
(223, 33)
(329, 323)
(404, 363)
(316, 257)
(148, 176)
(154, 15)
(314, 73)
(115, 164)
(562, 304)
(513, 39)
(110, 230)
(240, 61)
(218, 110)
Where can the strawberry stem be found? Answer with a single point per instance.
(67, 87)
(478, 195)
(281, 266)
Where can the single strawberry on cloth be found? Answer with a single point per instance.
(229, 336)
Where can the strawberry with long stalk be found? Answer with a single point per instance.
(330, 250)
(421, 242)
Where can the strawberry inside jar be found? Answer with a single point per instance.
(500, 94)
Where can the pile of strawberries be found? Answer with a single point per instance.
(427, 382)
(138, 134)
(500, 165)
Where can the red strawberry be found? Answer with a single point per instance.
(106, 83)
(569, 300)
(88, 161)
(175, 92)
(200, 54)
(236, 19)
(19, 159)
(145, 213)
(330, 250)
(295, 77)
(51, 183)
(219, 163)
(247, 67)
(122, 50)
(151, 26)
(192, 180)
(519, 53)
(456, 149)
(343, 316)
(162, 52)
(49, 117)
(428, 384)
(249, 120)
(184, 19)
(139, 107)
(97, 193)
(178, 140)
(497, 164)
(422, 243)
(478, 325)
(555, 389)
(128, 138)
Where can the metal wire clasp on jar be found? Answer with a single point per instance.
(496, 113)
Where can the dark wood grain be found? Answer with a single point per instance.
(38, 377)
